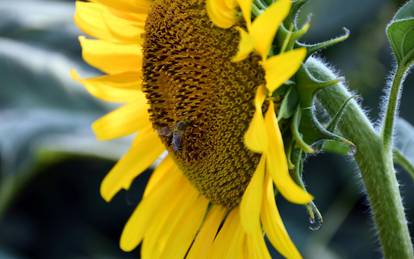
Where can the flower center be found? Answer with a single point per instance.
(201, 102)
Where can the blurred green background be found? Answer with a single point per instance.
(51, 165)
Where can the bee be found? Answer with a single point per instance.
(176, 134)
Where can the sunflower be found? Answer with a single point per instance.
(197, 79)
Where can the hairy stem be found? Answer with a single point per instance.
(392, 107)
(376, 167)
(402, 161)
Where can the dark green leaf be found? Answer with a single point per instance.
(24, 135)
(44, 114)
(33, 77)
(49, 24)
(400, 33)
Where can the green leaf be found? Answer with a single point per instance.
(400, 33)
(44, 115)
(33, 139)
(33, 77)
(27, 135)
(49, 24)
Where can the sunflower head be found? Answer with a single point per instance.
(201, 102)
(208, 81)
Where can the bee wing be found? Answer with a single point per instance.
(165, 132)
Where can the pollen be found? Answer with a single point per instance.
(200, 101)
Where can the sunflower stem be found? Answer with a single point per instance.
(392, 107)
(375, 164)
(402, 161)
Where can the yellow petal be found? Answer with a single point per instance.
(252, 199)
(184, 206)
(222, 12)
(97, 21)
(111, 58)
(151, 235)
(136, 18)
(146, 148)
(143, 216)
(236, 249)
(273, 224)
(277, 163)
(246, 46)
(255, 137)
(246, 8)
(280, 68)
(123, 87)
(126, 5)
(123, 121)
(151, 247)
(185, 231)
(256, 245)
(265, 26)
(220, 247)
(208, 231)
(160, 173)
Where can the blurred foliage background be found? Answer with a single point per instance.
(51, 165)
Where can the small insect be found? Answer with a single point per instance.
(176, 134)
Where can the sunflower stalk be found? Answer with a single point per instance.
(402, 161)
(375, 163)
(392, 107)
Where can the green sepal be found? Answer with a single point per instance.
(260, 4)
(313, 132)
(269, 2)
(400, 33)
(307, 86)
(316, 47)
(334, 146)
(294, 11)
(315, 217)
(283, 90)
(288, 105)
(338, 147)
(331, 126)
(288, 38)
(289, 153)
(295, 125)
